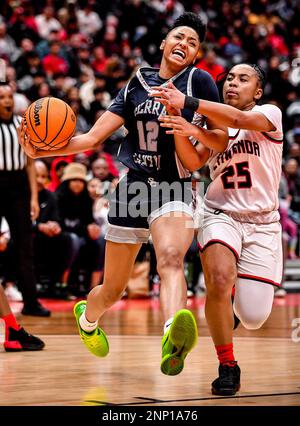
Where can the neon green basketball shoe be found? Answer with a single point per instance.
(177, 342)
(96, 341)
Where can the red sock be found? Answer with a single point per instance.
(10, 321)
(225, 354)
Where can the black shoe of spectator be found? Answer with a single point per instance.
(228, 382)
(36, 310)
(20, 340)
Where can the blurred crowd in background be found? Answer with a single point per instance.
(85, 51)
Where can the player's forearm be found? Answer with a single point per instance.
(187, 154)
(215, 139)
(223, 114)
(77, 144)
(104, 127)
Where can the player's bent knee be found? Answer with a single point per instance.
(170, 258)
(253, 320)
(253, 323)
(220, 282)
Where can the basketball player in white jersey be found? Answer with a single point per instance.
(240, 238)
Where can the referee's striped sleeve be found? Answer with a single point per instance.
(12, 156)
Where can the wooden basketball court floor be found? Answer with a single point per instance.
(65, 373)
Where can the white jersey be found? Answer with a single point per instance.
(245, 177)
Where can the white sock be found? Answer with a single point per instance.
(167, 324)
(86, 325)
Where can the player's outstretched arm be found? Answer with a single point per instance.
(225, 115)
(104, 127)
(215, 138)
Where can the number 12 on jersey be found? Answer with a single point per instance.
(148, 134)
(241, 170)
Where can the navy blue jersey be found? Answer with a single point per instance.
(147, 148)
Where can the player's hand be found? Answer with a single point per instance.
(24, 141)
(178, 126)
(168, 96)
(93, 231)
(172, 111)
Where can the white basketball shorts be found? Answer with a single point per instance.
(256, 246)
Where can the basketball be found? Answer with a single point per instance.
(50, 123)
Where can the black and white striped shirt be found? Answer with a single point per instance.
(12, 156)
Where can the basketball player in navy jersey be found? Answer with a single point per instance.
(150, 157)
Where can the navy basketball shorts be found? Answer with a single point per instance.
(140, 200)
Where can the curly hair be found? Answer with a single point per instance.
(190, 19)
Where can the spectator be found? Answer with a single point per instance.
(43, 90)
(53, 63)
(100, 60)
(289, 227)
(89, 21)
(72, 94)
(28, 64)
(8, 48)
(76, 210)
(20, 101)
(84, 60)
(56, 172)
(86, 91)
(293, 135)
(43, 47)
(32, 88)
(101, 171)
(210, 64)
(54, 249)
(23, 24)
(100, 206)
(81, 123)
(98, 103)
(46, 22)
(291, 171)
(59, 85)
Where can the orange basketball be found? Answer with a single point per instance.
(50, 123)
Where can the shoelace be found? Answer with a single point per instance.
(227, 373)
(86, 337)
(23, 334)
